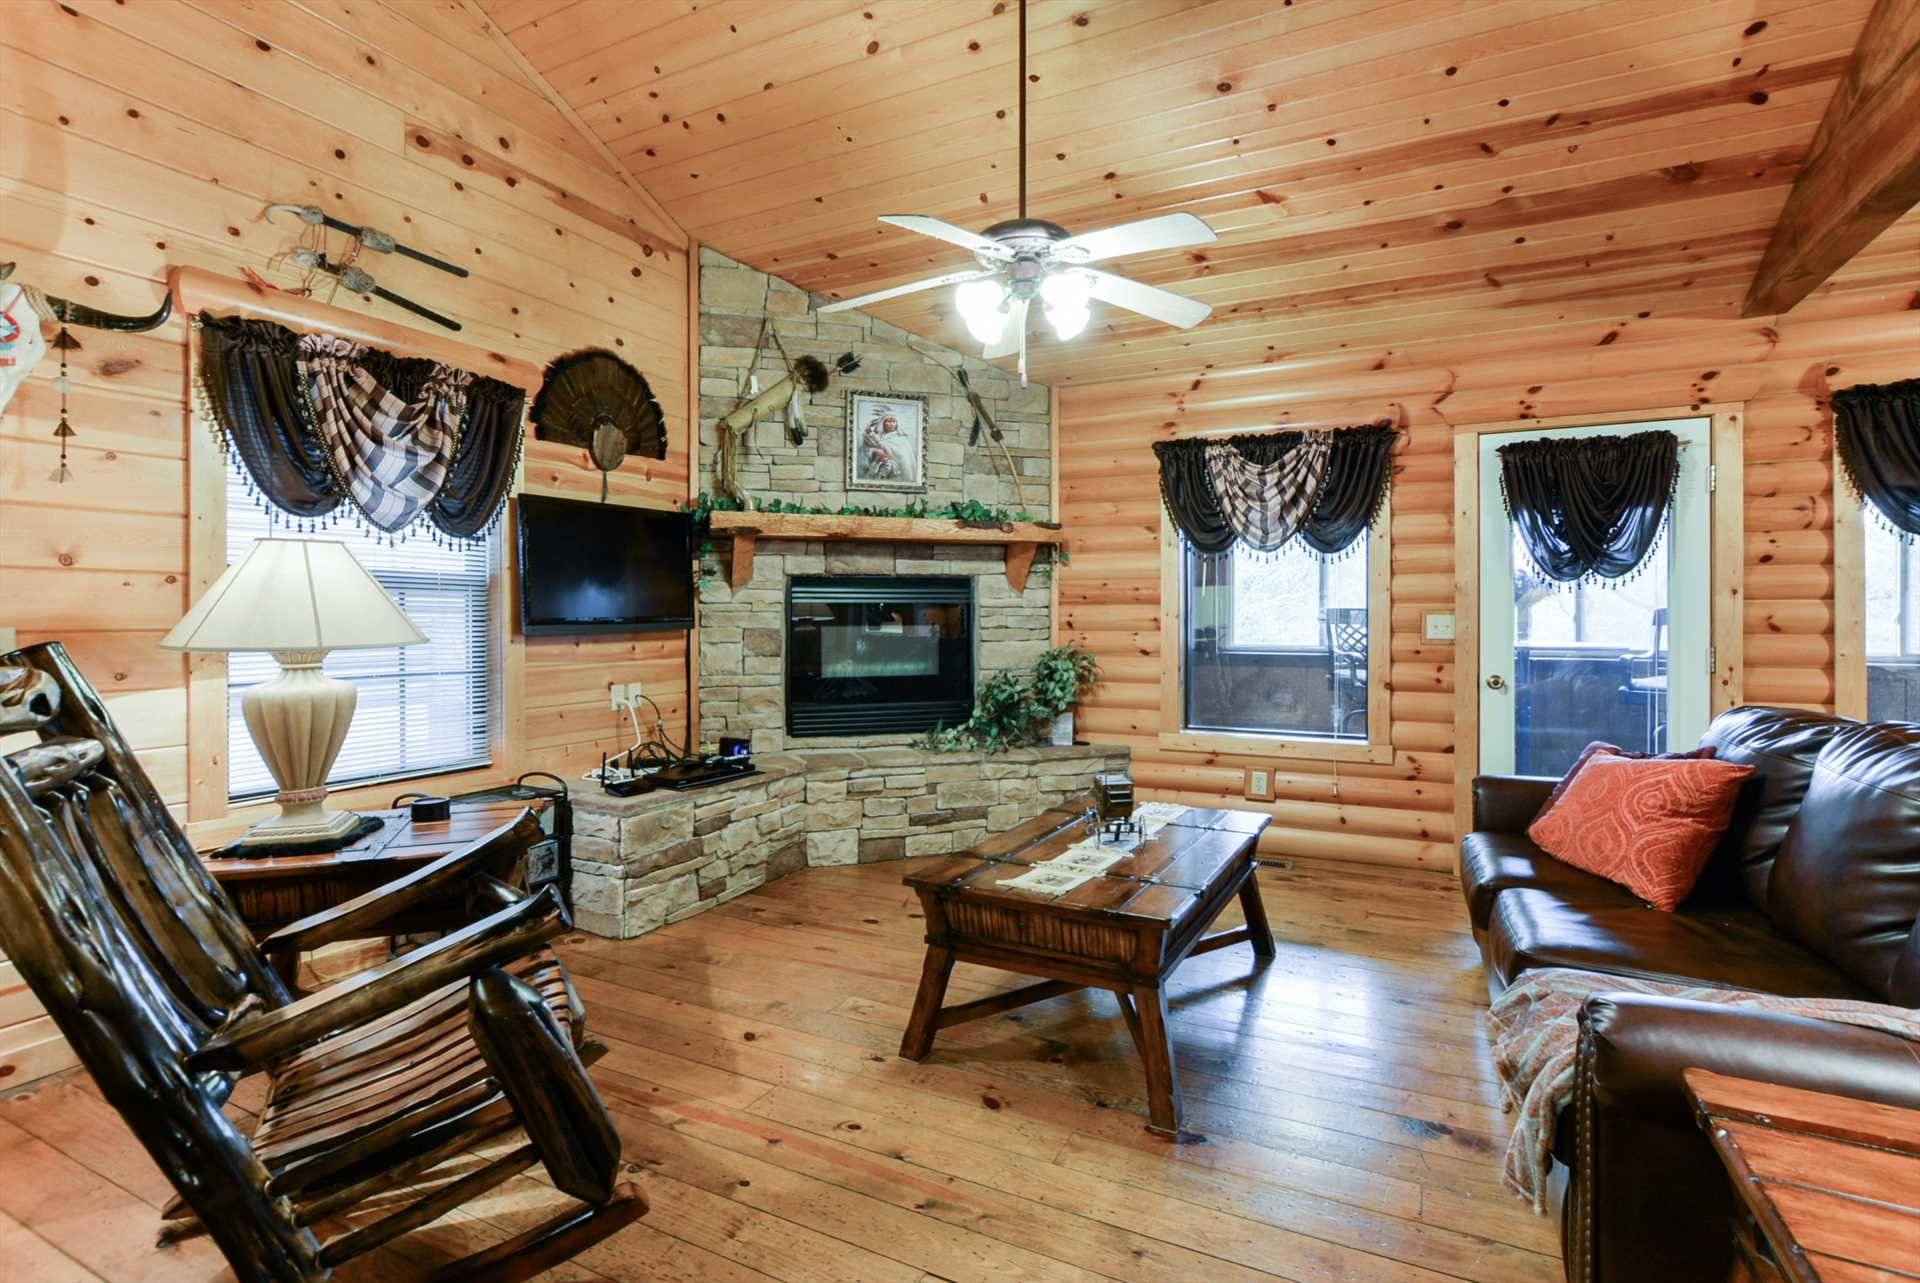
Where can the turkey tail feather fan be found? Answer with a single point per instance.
(584, 390)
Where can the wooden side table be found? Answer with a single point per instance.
(1832, 1184)
(1125, 931)
(273, 891)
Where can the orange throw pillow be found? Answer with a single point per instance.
(1649, 825)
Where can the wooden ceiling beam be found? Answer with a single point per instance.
(1864, 169)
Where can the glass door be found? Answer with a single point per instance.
(1627, 661)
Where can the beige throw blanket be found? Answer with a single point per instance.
(1535, 1031)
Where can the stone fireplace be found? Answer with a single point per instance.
(746, 660)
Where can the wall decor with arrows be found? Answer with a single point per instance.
(313, 258)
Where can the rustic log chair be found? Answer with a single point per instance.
(379, 1084)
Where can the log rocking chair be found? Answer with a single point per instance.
(380, 1084)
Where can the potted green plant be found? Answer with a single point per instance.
(1012, 710)
(1058, 677)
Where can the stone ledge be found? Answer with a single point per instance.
(641, 862)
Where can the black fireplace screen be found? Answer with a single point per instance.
(879, 654)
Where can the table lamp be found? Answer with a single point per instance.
(299, 599)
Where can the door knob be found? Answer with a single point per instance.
(1496, 682)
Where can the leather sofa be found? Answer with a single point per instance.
(1813, 891)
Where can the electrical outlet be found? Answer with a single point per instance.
(1259, 785)
(618, 695)
(1439, 626)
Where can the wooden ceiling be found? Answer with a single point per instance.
(1380, 171)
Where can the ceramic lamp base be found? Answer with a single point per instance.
(298, 721)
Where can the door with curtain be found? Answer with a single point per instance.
(1627, 660)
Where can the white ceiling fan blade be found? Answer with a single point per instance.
(1148, 300)
(1010, 338)
(1168, 231)
(948, 232)
(931, 282)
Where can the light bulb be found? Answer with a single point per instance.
(980, 307)
(1067, 290)
(1067, 322)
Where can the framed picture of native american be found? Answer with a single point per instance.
(887, 442)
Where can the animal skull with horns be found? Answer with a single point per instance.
(25, 309)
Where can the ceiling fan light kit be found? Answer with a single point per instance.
(1024, 259)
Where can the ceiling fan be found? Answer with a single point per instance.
(1023, 259)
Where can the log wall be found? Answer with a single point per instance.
(1784, 369)
(135, 137)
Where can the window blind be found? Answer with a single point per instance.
(422, 709)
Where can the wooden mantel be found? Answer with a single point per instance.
(1022, 539)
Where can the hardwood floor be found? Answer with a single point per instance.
(1343, 1121)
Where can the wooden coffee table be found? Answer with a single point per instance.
(1124, 932)
(1832, 1184)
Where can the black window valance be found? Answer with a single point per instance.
(324, 427)
(1261, 489)
(1590, 507)
(1877, 428)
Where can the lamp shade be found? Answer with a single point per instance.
(294, 594)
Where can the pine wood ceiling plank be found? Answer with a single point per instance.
(578, 28)
(511, 15)
(1104, 136)
(1864, 172)
(468, 29)
(737, 43)
(924, 88)
(656, 215)
(1097, 126)
(1387, 128)
(711, 94)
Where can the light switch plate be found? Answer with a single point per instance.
(617, 695)
(1439, 625)
(1259, 784)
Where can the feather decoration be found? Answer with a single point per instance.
(596, 401)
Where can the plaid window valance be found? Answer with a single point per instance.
(325, 427)
(1262, 489)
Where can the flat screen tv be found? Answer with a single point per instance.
(603, 567)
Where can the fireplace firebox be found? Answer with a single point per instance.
(878, 654)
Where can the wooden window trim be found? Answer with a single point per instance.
(1726, 523)
(1174, 737)
(1849, 596)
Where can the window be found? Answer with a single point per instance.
(1893, 623)
(1276, 643)
(423, 709)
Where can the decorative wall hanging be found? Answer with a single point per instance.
(886, 442)
(1877, 428)
(1261, 489)
(23, 309)
(311, 258)
(1590, 508)
(317, 419)
(804, 376)
(595, 400)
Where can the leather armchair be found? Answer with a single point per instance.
(1645, 1196)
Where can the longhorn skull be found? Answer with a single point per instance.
(23, 310)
